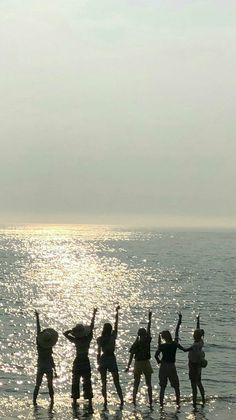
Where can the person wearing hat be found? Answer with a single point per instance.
(81, 335)
(45, 340)
(106, 358)
(167, 369)
(140, 350)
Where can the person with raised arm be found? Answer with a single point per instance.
(81, 335)
(167, 362)
(106, 358)
(196, 360)
(140, 351)
(45, 340)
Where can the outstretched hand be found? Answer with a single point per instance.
(117, 308)
(149, 314)
(180, 316)
(95, 311)
(36, 313)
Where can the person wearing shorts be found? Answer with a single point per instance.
(107, 360)
(81, 335)
(140, 351)
(167, 369)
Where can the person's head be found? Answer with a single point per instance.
(142, 333)
(80, 330)
(107, 329)
(198, 334)
(47, 338)
(166, 335)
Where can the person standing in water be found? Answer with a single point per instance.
(140, 350)
(81, 335)
(106, 358)
(167, 362)
(196, 360)
(45, 340)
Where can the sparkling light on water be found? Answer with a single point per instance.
(64, 272)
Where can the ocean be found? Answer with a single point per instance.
(66, 271)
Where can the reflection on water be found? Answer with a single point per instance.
(64, 272)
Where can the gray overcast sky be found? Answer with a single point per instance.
(115, 111)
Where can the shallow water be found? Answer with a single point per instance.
(65, 271)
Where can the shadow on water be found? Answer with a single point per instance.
(82, 413)
(105, 415)
(42, 413)
(197, 414)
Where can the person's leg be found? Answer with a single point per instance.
(50, 386)
(162, 394)
(202, 391)
(75, 388)
(39, 378)
(194, 392)
(177, 395)
(174, 381)
(148, 379)
(103, 373)
(162, 383)
(116, 381)
(137, 377)
(87, 387)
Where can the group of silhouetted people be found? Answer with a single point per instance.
(81, 335)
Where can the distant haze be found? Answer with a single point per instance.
(118, 112)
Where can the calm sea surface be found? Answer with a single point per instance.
(64, 272)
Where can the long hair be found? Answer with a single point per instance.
(107, 329)
(166, 335)
(106, 333)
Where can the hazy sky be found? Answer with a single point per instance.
(118, 111)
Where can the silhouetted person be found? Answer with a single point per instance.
(140, 350)
(45, 340)
(196, 360)
(167, 362)
(106, 358)
(81, 335)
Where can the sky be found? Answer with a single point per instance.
(118, 112)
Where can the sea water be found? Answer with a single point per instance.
(66, 271)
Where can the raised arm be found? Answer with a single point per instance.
(93, 318)
(37, 322)
(198, 325)
(177, 327)
(99, 351)
(158, 350)
(69, 335)
(149, 322)
(116, 319)
(198, 321)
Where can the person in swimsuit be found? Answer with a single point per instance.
(140, 351)
(81, 335)
(167, 362)
(45, 340)
(106, 358)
